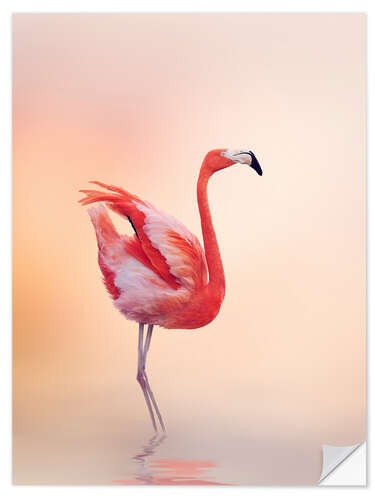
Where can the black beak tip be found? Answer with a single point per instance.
(255, 164)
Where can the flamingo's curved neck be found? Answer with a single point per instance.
(215, 266)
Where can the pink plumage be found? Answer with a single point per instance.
(159, 276)
(153, 274)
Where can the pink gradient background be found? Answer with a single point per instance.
(137, 100)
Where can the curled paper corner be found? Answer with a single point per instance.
(333, 456)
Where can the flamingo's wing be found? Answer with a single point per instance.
(172, 249)
(180, 248)
(110, 246)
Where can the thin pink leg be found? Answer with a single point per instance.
(145, 350)
(147, 345)
(141, 377)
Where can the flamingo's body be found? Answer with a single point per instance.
(159, 276)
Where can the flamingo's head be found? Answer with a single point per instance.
(243, 156)
(218, 159)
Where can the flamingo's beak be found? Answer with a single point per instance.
(255, 164)
(244, 157)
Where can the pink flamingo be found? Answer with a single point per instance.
(159, 275)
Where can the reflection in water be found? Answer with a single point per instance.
(168, 471)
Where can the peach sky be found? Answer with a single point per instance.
(137, 100)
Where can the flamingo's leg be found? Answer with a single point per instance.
(141, 377)
(145, 350)
(147, 344)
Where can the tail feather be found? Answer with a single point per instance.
(110, 187)
(119, 200)
(93, 196)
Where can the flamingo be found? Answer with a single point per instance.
(161, 275)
